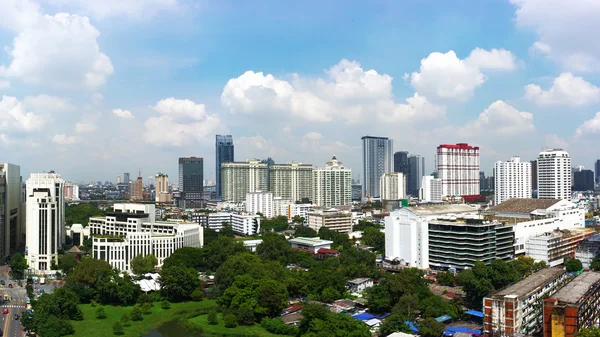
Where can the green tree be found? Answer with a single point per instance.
(408, 306)
(524, 265)
(394, 323)
(81, 213)
(589, 332)
(29, 290)
(212, 317)
(218, 251)
(165, 305)
(230, 321)
(136, 313)
(100, 313)
(226, 230)
(329, 295)
(305, 232)
(595, 265)
(17, 264)
(197, 295)
(573, 265)
(429, 327)
(146, 308)
(67, 262)
(298, 220)
(178, 282)
(375, 238)
(272, 296)
(118, 328)
(319, 321)
(446, 279)
(190, 257)
(125, 319)
(274, 247)
(143, 264)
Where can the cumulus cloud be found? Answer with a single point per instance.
(500, 118)
(590, 126)
(349, 93)
(564, 30)
(123, 114)
(48, 103)
(447, 77)
(87, 124)
(566, 90)
(62, 139)
(60, 49)
(15, 118)
(181, 121)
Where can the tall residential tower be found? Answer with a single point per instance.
(512, 180)
(377, 159)
(332, 185)
(458, 168)
(554, 174)
(223, 154)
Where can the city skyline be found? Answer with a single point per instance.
(131, 91)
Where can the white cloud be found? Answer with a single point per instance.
(349, 93)
(565, 30)
(502, 119)
(48, 104)
(447, 77)
(180, 123)
(312, 136)
(590, 126)
(60, 49)
(130, 8)
(566, 90)
(495, 59)
(123, 114)
(553, 141)
(15, 117)
(416, 107)
(541, 47)
(62, 139)
(87, 124)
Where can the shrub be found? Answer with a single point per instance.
(118, 328)
(136, 314)
(144, 298)
(146, 308)
(278, 327)
(100, 313)
(125, 319)
(212, 318)
(166, 305)
(230, 321)
(197, 295)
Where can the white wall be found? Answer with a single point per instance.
(407, 238)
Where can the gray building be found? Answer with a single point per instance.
(415, 176)
(401, 162)
(377, 159)
(126, 178)
(223, 154)
(12, 221)
(191, 176)
(270, 162)
(583, 180)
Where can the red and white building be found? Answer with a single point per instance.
(458, 168)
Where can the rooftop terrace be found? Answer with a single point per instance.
(530, 283)
(574, 290)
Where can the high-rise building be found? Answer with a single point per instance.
(332, 185)
(240, 178)
(534, 173)
(118, 180)
(136, 190)
(270, 162)
(431, 189)
(223, 154)
(401, 162)
(45, 218)
(71, 191)
(12, 214)
(292, 181)
(191, 180)
(512, 180)
(261, 202)
(126, 178)
(417, 172)
(597, 171)
(458, 167)
(583, 180)
(377, 159)
(554, 174)
(393, 186)
(482, 181)
(163, 194)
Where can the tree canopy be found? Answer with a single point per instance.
(17, 264)
(143, 264)
(81, 213)
(573, 265)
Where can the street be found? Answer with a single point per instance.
(16, 305)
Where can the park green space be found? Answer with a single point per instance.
(220, 329)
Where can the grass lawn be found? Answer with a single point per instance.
(93, 327)
(220, 329)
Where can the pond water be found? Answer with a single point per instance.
(171, 329)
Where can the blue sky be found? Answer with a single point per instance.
(94, 89)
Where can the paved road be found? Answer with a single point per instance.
(15, 305)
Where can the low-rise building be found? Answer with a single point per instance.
(76, 234)
(587, 250)
(252, 244)
(359, 284)
(311, 245)
(554, 247)
(261, 202)
(573, 307)
(291, 210)
(332, 219)
(517, 309)
(242, 224)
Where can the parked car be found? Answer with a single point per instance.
(17, 316)
(10, 285)
(2, 282)
(5, 311)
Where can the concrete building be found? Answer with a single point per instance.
(407, 239)
(415, 177)
(332, 185)
(136, 190)
(583, 180)
(292, 181)
(587, 250)
(512, 180)
(332, 219)
(554, 174)
(131, 230)
(163, 195)
(71, 191)
(45, 216)
(573, 307)
(393, 186)
(597, 170)
(12, 210)
(358, 285)
(534, 217)
(431, 189)
(242, 224)
(401, 163)
(224, 153)
(311, 245)
(516, 310)
(261, 202)
(458, 167)
(557, 246)
(377, 159)
(291, 210)
(77, 234)
(240, 178)
(534, 175)
(191, 182)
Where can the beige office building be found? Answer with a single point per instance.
(292, 181)
(332, 185)
(240, 178)
(162, 188)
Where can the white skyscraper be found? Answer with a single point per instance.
(45, 218)
(332, 185)
(260, 202)
(393, 186)
(431, 190)
(377, 159)
(458, 168)
(554, 174)
(512, 180)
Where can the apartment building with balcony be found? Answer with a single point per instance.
(557, 246)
